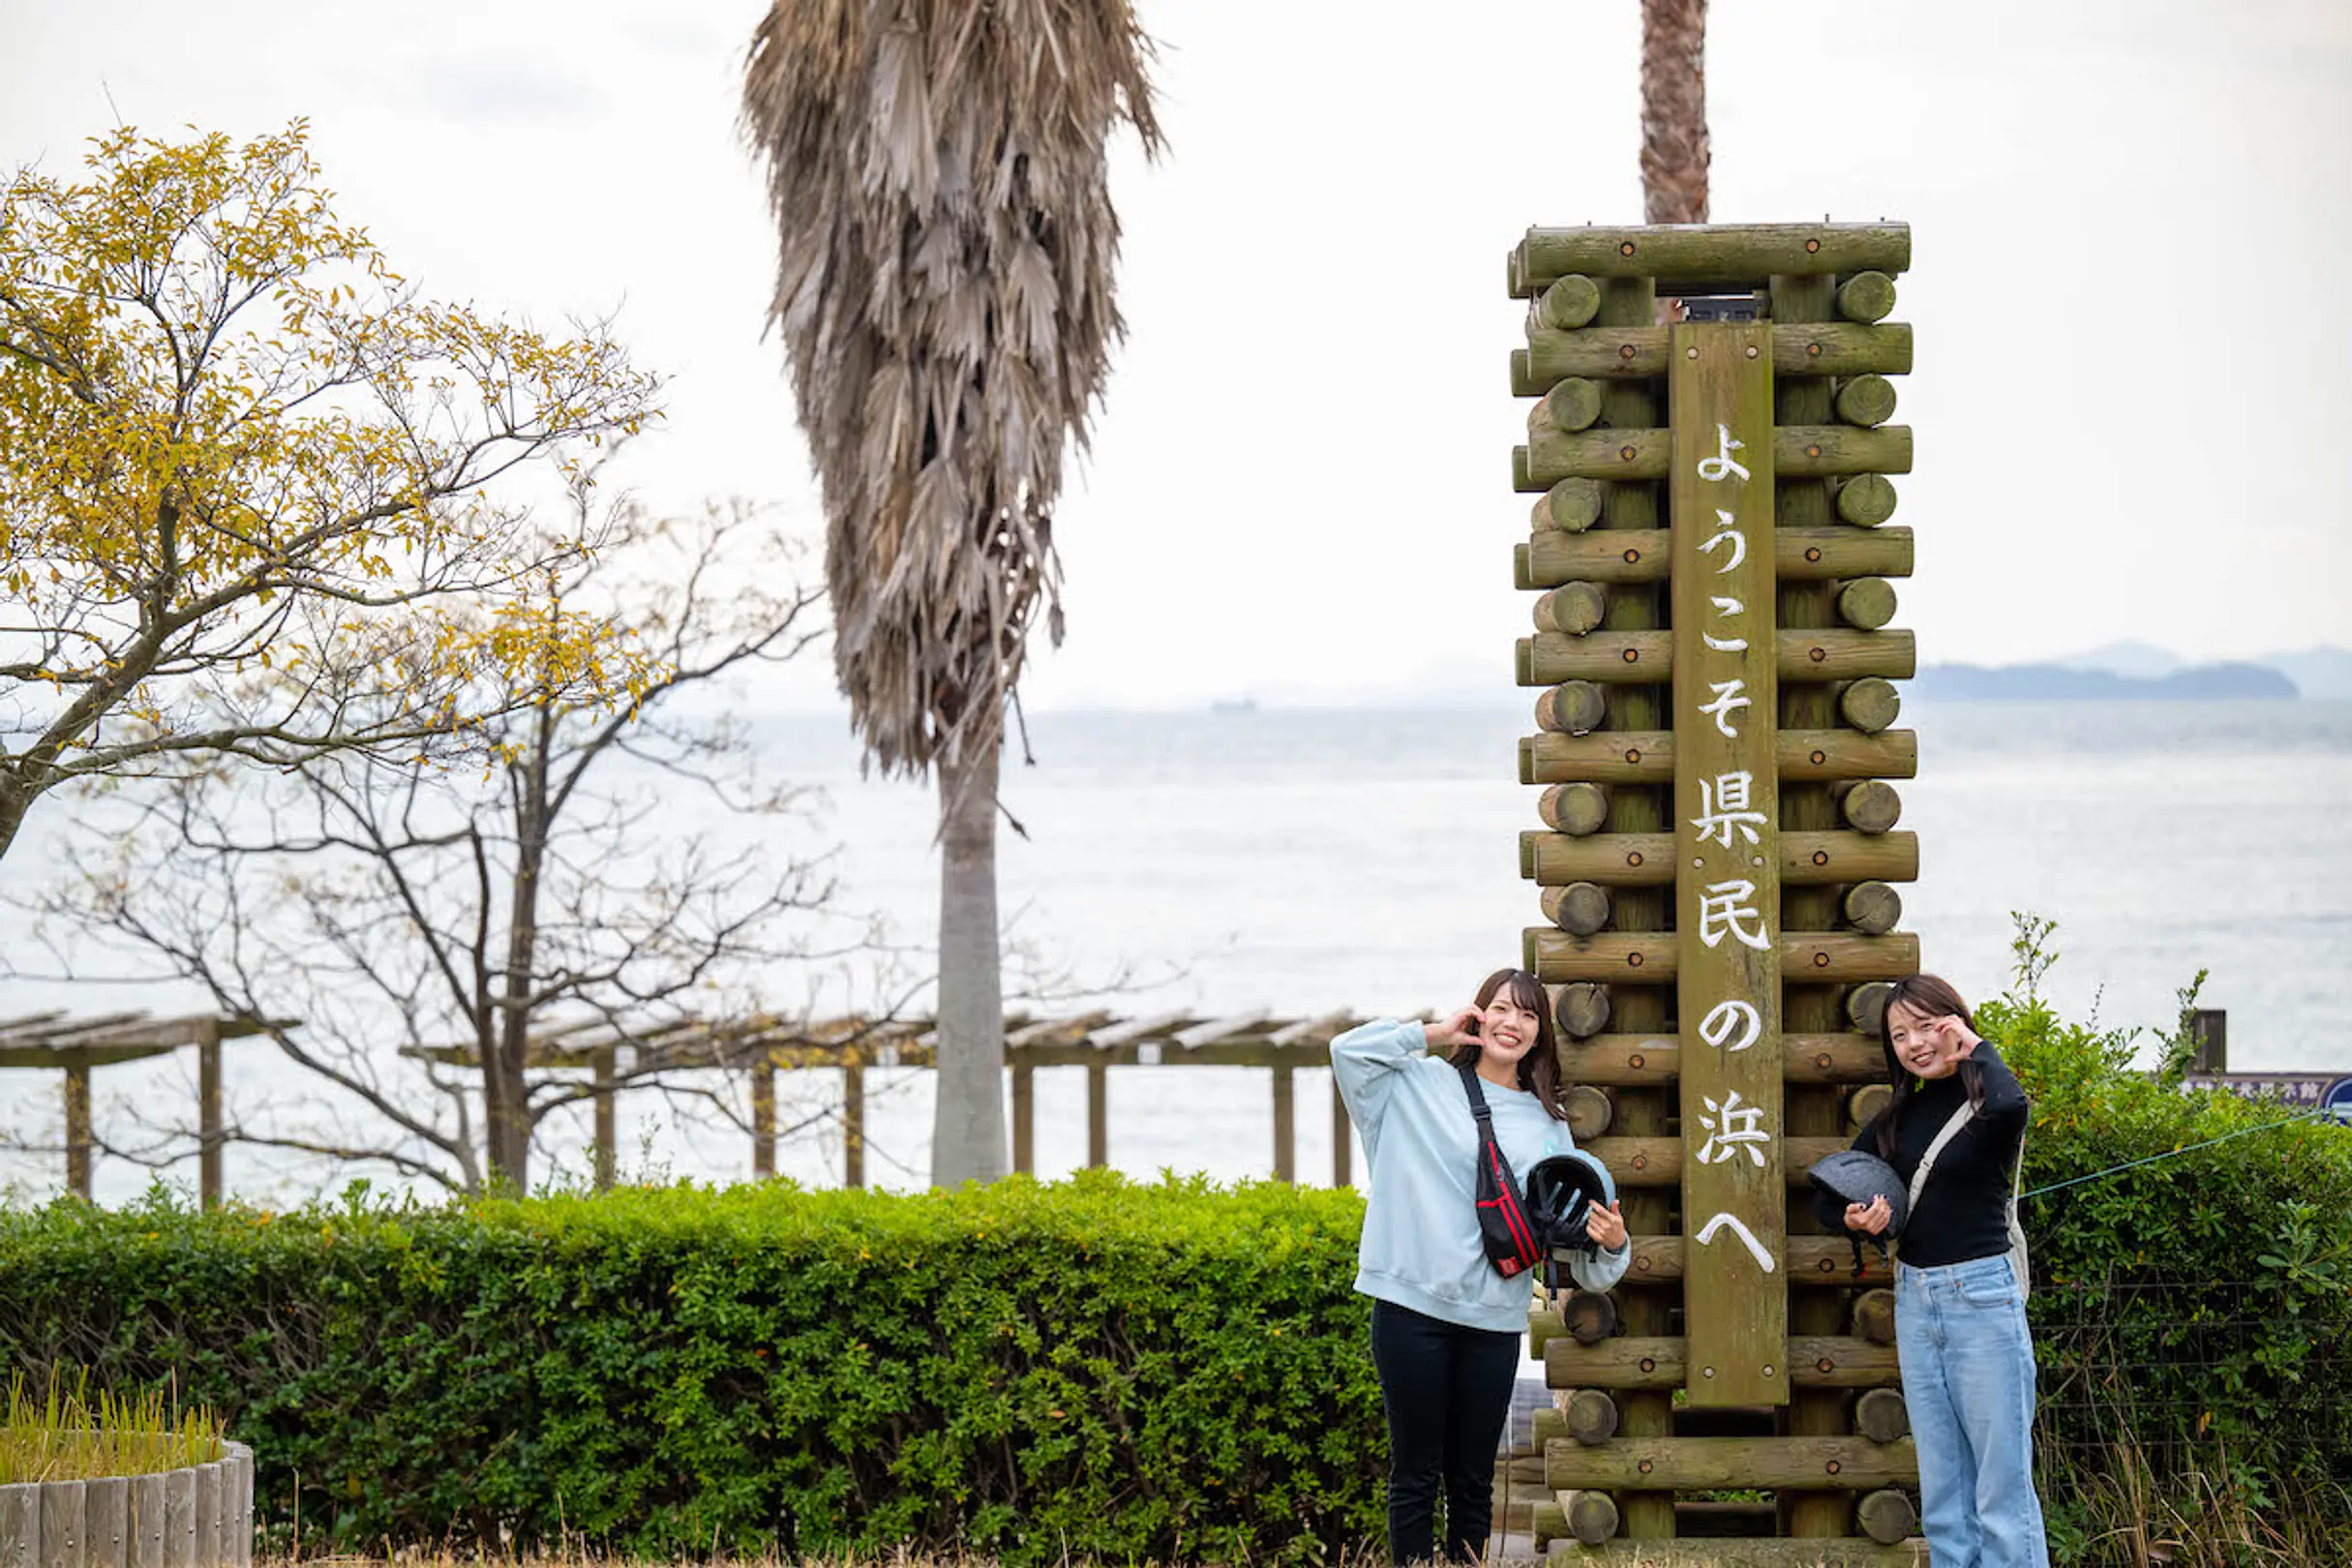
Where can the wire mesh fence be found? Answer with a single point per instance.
(2185, 1372)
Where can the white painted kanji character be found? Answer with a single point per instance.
(1722, 465)
(1724, 529)
(1732, 1127)
(1729, 697)
(1731, 1026)
(1755, 1249)
(1725, 806)
(1727, 908)
(1726, 605)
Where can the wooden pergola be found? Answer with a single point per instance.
(1094, 1041)
(54, 1041)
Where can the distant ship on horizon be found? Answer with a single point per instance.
(1233, 704)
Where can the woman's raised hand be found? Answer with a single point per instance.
(1456, 1028)
(1606, 1223)
(1872, 1218)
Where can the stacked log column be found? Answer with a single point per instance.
(1631, 1466)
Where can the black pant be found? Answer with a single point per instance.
(1447, 1392)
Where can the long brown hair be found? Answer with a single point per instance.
(1539, 1070)
(1930, 996)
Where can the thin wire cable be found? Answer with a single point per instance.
(2188, 1147)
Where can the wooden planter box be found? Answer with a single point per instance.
(201, 1517)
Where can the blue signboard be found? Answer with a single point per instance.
(2308, 1091)
(2338, 1101)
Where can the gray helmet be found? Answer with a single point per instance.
(1850, 1176)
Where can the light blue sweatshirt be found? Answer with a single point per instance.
(1420, 1246)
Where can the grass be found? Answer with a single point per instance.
(2114, 1517)
(2120, 1514)
(66, 1435)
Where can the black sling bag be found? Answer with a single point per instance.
(1503, 1228)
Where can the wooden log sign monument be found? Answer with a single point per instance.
(1711, 452)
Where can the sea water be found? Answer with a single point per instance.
(1307, 863)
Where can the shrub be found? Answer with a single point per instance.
(2190, 1314)
(1094, 1368)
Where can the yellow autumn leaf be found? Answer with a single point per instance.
(226, 426)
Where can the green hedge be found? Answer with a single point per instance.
(2200, 1305)
(1096, 1369)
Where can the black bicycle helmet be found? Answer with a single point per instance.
(1850, 1176)
(1561, 1191)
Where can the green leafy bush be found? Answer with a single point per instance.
(1095, 1369)
(2193, 1315)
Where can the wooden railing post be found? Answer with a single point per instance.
(209, 1133)
(77, 1130)
(762, 1119)
(606, 1066)
(1342, 1148)
(1024, 1118)
(1097, 1115)
(853, 1123)
(1286, 1126)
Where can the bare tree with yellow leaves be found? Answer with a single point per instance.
(254, 490)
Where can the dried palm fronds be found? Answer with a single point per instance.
(946, 246)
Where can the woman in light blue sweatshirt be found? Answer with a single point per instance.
(1446, 1326)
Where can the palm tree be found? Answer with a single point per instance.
(1675, 153)
(946, 252)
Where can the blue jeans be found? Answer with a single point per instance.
(1968, 1380)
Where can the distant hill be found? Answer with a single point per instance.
(2034, 682)
(2324, 672)
(2142, 661)
(2123, 670)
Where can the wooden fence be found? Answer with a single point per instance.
(1600, 1068)
(198, 1516)
(756, 1051)
(74, 1047)
(1097, 1042)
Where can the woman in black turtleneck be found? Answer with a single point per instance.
(1960, 1323)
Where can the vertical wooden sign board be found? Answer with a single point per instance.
(1727, 862)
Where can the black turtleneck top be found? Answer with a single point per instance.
(1962, 1214)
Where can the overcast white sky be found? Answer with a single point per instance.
(2131, 395)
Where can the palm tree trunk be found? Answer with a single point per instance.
(968, 1124)
(1675, 153)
